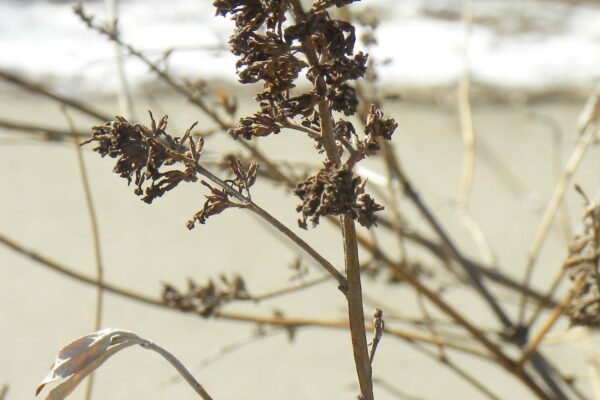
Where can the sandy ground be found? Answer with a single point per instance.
(42, 206)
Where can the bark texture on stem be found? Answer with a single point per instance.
(355, 308)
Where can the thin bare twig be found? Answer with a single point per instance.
(248, 204)
(112, 35)
(388, 387)
(275, 321)
(189, 378)
(476, 333)
(124, 93)
(470, 379)
(39, 89)
(96, 239)
(290, 322)
(585, 140)
(290, 289)
(46, 133)
(468, 137)
(546, 326)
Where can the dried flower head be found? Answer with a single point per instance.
(335, 191)
(378, 126)
(582, 266)
(143, 153)
(206, 299)
(273, 50)
(219, 198)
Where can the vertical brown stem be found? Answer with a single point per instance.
(354, 289)
(355, 308)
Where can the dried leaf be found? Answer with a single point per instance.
(82, 356)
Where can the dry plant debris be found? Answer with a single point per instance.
(582, 266)
(335, 191)
(144, 153)
(84, 355)
(207, 299)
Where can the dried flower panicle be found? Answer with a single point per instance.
(219, 199)
(206, 299)
(274, 51)
(582, 266)
(335, 191)
(378, 127)
(267, 45)
(143, 153)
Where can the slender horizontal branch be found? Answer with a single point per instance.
(225, 315)
(39, 89)
(290, 322)
(47, 133)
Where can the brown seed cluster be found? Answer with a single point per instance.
(335, 191)
(143, 153)
(271, 50)
(275, 51)
(219, 199)
(206, 299)
(582, 266)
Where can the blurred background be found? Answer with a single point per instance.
(531, 64)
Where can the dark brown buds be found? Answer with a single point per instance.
(335, 191)
(143, 155)
(208, 298)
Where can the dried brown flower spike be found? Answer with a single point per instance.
(335, 191)
(142, 154)
(582, 266)
(207, 299)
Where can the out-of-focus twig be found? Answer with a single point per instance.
(468, 137)
(42, 132)
(233, 316)
(89, 202)
(3, 391)
(41, 90)
(586, 138)
(391, 389)
(546, 326)
(124, 94)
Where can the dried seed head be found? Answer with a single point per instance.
(206, 299)
(142, 154)
(262, 123)
(219, 199)
(582, 266)
(335, 191)
(378, 126)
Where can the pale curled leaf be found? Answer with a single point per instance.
(80, 357)
(65, 388)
